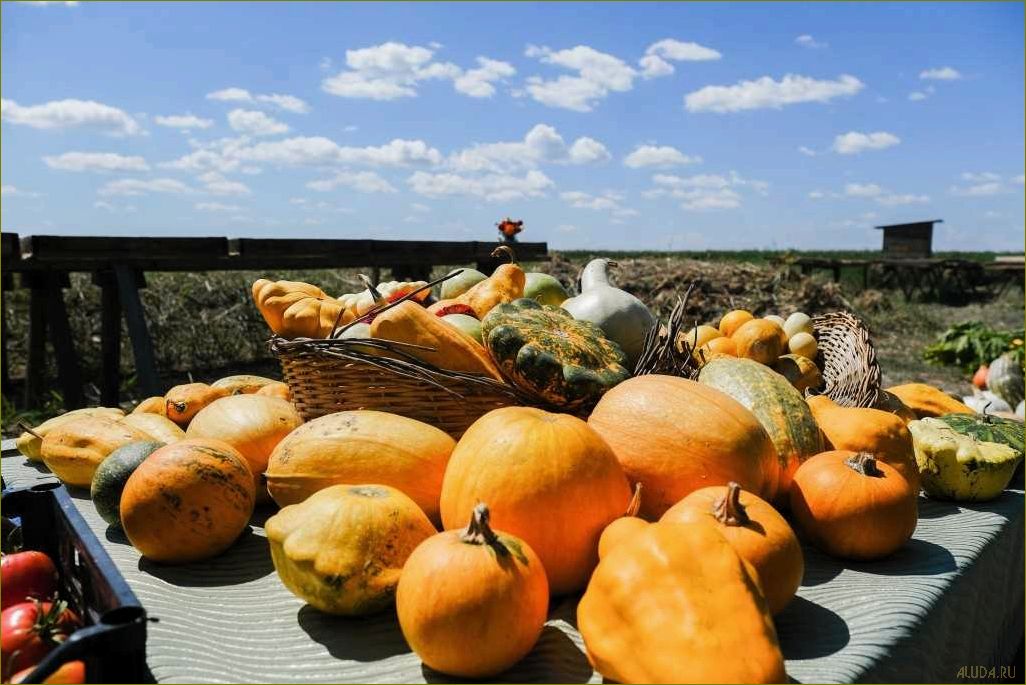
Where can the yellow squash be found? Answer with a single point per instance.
(504, 285)
(30, 442)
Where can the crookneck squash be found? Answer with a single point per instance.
(504, 285)
(295, 310)
(545, 351)
(677, 604)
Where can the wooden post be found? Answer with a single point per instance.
(35, 366)
(6, 386)
(68, 372)
(135, 319)
(110, 340)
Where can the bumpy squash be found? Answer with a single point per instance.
(158, 427)
(622, 317)
(112, 474)
(295, 310)
(472, 602)
(448, 348)
(1005, 379)
(674, 436)
(801, 372)
(778, 406)
(927, 401)
(756, 531)
(242, 384)
(342, 549)
(545, 351)
(504, 285)
(548, 479)
(676, 604)
(460, 283)
(151, 405)
(73, 449)
(759, 340)
(959, 467)
(879, 433)
(852, 506)
(30, 442)
(183, 402)
(187, 501)
(361, 447)
(987, 428)
(252, 424)
(890, 403)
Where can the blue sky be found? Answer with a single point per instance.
(635, 126)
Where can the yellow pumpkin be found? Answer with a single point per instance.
(160, 428)
(342, 549)
(361, 447)
(73, 449)
(927, 401)
(758, 340)
(30, 442)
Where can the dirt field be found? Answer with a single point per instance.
(205, 326)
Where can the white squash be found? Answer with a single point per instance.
(622, 317)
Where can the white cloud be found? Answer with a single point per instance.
(807, 41)
(96, 161)
(288, 103)
(319, 150)
(1019, 180)
(654, 66)
(217, 184)
(135, 186)
(982, 177)
(891, 200)
(183, 121)
(477, 83)
(61, 114)
(661, 156)
(609, 201)
(658, 56)
(418, 207)
(980, 189)
(816, 195)
(541, 145)
(986, 183)
(387, 72)
(231, 95)
(882, 196)
(598, 73)
(361, 181)
(765, 93)
(216, 207)
(567, 228)
(44, 3)
(941, 74)
(113, 208)
(807, 151)
(917, 96)
(12, 190)
(704, 191)
(862, 190)
(854, 142)
(492, 187)
(587, 151)
(255, 123)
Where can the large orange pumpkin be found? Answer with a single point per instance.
(549, 479)
(675, 436)
(187, 501)
(252, 424)
(853, 506)
(756, 531)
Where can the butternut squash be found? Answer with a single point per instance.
(927, 401)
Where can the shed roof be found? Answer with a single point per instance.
(912, 223)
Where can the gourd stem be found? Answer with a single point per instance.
(864, 463)
(375, 295)
(507, 251)
(729, 511)
(25, 427)
(478, 531)
(987, 418)
(635, 504)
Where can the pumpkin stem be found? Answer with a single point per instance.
(864, 463)
(507, 251)
(635, 504)
(478, 531)
(729, 511)
(375, 295)
(28, 429)
(987, 418)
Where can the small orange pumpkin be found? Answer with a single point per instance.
(715, 347)
(733, 320)
(756, 531)
(853, 506)
(183, 402)
(759, 340)
(472, 602)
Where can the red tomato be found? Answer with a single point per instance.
(71, 673)
(26, 575)
(980, 377)
(28, 631)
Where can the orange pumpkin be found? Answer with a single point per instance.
(183, 402)
(759, 340)
(677, 604)
(523, 461)
(187, 501)
(715, 347)
(276, 389)
(756, 531)
(242, 384)
(674, 436)
(151, 405)
(624, 527)
(252, 424)
(853, 506)
(472, 602)
(733, 320)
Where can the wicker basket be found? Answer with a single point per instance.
(332, 375)
(851, 374)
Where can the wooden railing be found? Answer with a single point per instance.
(118, 265)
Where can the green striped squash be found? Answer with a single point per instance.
(112, 474)
(987, 428)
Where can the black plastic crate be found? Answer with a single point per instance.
(112, 642)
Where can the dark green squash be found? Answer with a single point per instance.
(987, 428)
(112, 474)
(545, 351)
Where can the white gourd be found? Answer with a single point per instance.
(622, 317)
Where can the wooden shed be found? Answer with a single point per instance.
(914, 240)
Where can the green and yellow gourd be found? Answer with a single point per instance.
(779, 407)
(545, 351)
(959, 467)
(544, 289)
(987, 428)
(463, 281)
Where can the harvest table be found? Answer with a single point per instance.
(951, 599)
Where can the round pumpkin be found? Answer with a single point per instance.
(757, 533)
(759, 340)
(342, 549)
(76, 447)
(803, 344)
(472, 602)
(187, 501)
(853, 506)
(675, 436)
(733, 320)
(242, 384)
(361, 447)
(276, 389)
(252, 424)
(695, 338)
(549, 479)
(112, 474)
(715, 347)
(158, 427)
